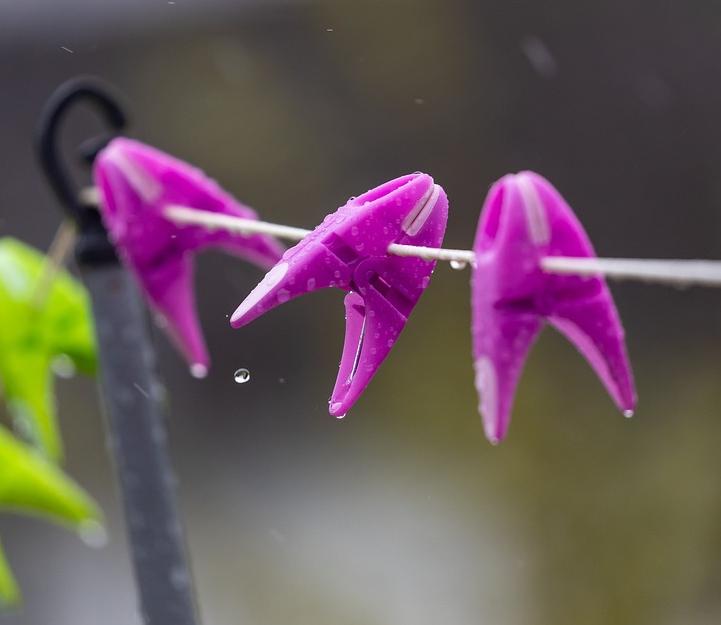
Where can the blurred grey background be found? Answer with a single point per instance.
(402, 513)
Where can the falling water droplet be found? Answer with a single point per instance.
(141, 390)
(628, 413)
(341, 416)
(93, 534)
(458, 264)
(241, 376)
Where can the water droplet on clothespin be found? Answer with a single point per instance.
(93, 534)
(628, 413)
(241, 376)
(198, 370)
(458, 265)
(333, 407)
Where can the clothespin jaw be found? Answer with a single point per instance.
(136, 184)
(523, 220)
(33, 333)
(349, 251)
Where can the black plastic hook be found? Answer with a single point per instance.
(136, 428)
(93, 246)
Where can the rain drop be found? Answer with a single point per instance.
(93, 534)
(241, 376)
(628, 413)
(179, 578)
(458, 265)
(63, 366)
(198, 370)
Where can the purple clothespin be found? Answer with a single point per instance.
(136, 183)
(524, 219)
(349, 250)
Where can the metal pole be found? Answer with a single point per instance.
(129, 385)
(132, 397)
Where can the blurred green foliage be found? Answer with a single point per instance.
(35, 328)
(30, 484)
(33, 333)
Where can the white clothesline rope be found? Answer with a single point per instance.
(680, 273)
(185, 215)
(673, 272)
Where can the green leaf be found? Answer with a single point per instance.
(31, 484)
(9, 591)
(32, 336)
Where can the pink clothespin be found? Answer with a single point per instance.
(524, 219)
(136, 183)
(349, 250)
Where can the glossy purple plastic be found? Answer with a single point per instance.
(524, 219)
(349, 251)
(136, 183)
